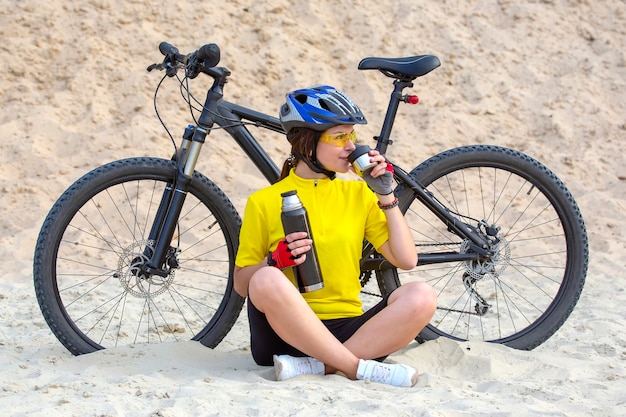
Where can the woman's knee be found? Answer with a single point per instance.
(266, 284)
(418, 296)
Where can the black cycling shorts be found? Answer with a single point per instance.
(264, 342)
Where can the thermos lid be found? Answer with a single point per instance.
(291, 201)
(358, 151)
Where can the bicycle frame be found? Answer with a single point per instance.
(402, 177)
(230, 117)
(506, 244)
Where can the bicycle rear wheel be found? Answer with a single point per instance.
(524, 293)
(95, 236)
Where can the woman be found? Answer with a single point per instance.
(326, 331)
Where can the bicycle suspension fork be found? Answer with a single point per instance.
(171, 205)
(174, 195)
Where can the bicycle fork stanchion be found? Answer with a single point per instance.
(159, 218)
(186, 167)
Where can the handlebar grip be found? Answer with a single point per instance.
(168, 49)
(210, 54)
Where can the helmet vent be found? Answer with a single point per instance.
(319, 108)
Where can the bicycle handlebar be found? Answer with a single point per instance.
(209, 54)
(171, 51)
(201, 60)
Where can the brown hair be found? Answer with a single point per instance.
(303, 142)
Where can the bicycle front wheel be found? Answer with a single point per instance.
(522, 294)
(94, 239)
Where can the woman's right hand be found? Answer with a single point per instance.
(298, 245)
(291, 251)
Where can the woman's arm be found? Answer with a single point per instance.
(400, 248)
(242, 277)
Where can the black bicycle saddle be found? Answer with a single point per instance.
(402, 68)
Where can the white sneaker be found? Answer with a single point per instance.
(397, 375)
(287, 366)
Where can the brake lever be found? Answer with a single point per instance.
(155, 66)
(170, 70)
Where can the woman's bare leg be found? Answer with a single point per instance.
(294, 321)
(409, 310)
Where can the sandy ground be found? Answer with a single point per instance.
(545, 77)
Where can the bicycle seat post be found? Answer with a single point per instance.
(396, 96)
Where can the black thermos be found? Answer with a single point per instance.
(295, 219)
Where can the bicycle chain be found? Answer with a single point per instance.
(366, 276)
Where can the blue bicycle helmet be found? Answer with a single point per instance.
(319, 108)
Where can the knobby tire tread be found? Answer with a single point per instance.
(573, 226)
(90, 184)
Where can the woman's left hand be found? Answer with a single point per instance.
(379, 178)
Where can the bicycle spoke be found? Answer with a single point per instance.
(101, 286)
(493, 297)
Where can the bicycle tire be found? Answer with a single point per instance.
(92, 236)
(521, 299)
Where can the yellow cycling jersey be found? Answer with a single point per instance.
(342, 213)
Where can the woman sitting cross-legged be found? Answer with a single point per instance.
(326, 331)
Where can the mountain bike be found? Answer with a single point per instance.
(142, 250)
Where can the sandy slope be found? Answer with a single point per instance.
(545, 77)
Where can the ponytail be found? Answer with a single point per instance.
(303, 142)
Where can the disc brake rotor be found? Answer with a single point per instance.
(131, 277)
(494, 265)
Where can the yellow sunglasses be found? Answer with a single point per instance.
(339, 139)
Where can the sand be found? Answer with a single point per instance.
(545, 77)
